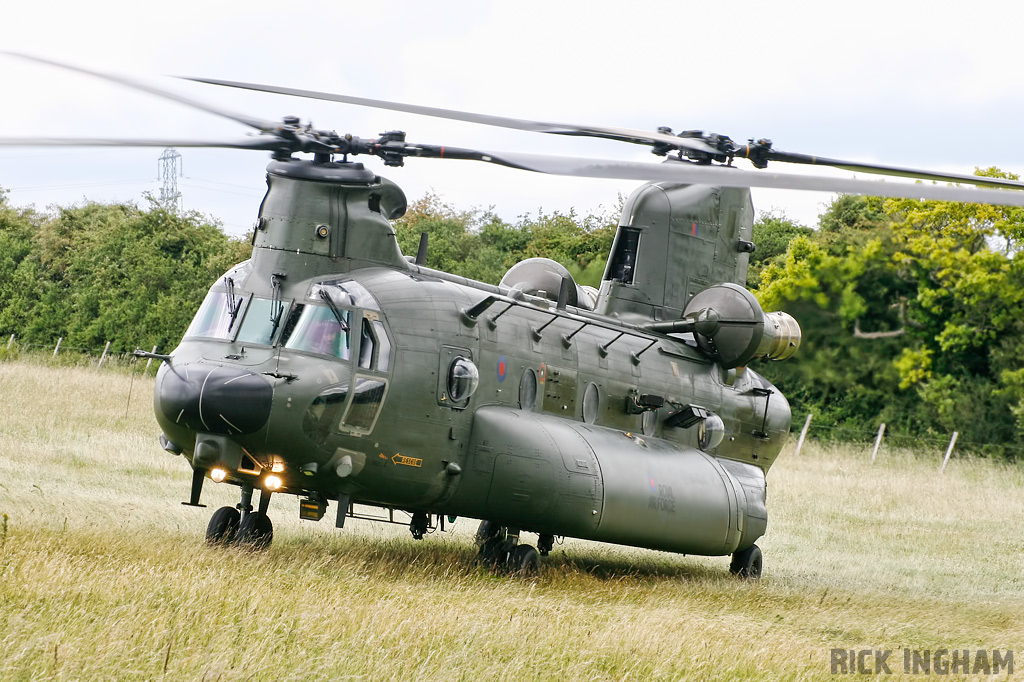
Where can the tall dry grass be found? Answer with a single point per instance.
(104, 575)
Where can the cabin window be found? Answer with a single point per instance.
(262, 321)
(322, 331)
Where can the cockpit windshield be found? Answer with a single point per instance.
(216, 317)
(262, 320)
(320, 331)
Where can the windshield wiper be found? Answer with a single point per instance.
(334, 309)
(233, 305)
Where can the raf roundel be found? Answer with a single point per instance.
(502, 366)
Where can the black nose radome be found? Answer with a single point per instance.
(215, 399)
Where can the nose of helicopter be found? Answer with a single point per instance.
(215, 398)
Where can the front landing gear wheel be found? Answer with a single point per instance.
(223, 526)
(747, 564)
(524, 560)
(255, 531)
(487, 530)
(492, 553)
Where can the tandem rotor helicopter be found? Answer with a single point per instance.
(332, 367)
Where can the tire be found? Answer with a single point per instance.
(255, 531)
(492, 553)
(485, 531)
(223, 527)
(525, 561)
(747, 564)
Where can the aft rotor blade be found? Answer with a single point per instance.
(259, 124)
(260, 144)
(606, 132)
(880, 169)
(724, 176)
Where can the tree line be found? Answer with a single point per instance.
(910, 310)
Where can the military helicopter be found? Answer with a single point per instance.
(332, 367)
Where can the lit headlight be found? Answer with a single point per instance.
(218, 475)
(272, 482)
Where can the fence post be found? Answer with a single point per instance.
(57, 347)
(104, 356)
(878, 442)
(10, 341)
(803, 434)
(150, 361)
(949, 450)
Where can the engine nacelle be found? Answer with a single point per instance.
(735, 330)
(543, 277)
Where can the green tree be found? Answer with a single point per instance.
(109, 272)
(772, 234)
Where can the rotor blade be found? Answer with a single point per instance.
(257, 123)
(606, 132)
(261, 144)
(725, 176)
(880, 169)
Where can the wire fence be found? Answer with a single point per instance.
(59, 353)
(877, 440)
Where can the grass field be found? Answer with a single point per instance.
(104, 574)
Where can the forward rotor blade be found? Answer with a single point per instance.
(260, 144)
(725, 176)
(259, 124)
(606, 132)
(897, 171)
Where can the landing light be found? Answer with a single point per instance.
(218, 475)
(272, 482)
(277, 467)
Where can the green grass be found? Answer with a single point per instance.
(104, 574)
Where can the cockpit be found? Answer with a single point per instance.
(335, 319)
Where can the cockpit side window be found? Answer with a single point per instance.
(366, 346)
(320, 331)
(383, 346)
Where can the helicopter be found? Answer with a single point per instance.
(333, 367)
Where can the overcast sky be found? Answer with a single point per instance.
(932, 84)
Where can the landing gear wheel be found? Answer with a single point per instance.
(223, 526)
(255, 531)
(419, 525)
(544, 544)
(486, 531)
(747, 564)
(524, 560)
(492, 553)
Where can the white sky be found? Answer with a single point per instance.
(933, 84)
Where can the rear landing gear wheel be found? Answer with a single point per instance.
(544, 544)
(256, 531)
(747, 564)
(524, 560)
(419, 525)
(223, 526)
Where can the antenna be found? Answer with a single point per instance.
(170, 169)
